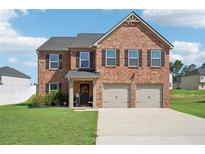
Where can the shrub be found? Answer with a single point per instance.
(51, 99)
(36, 101)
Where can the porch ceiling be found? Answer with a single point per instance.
(77, 74)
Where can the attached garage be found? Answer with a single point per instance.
(149, 96)
(115, 95)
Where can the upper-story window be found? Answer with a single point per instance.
(155, 58)
(133, 58)
(110, 57)
(84, 60)
(54, 61)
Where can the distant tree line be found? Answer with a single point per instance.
(178, 69)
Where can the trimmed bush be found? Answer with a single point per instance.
(37, 100)
(51, 99)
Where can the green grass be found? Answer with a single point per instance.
(55, 125)
(189, 101)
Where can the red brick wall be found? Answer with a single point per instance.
(132, 37)
(122, 38)
(49, 76)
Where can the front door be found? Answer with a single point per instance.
(84, 94)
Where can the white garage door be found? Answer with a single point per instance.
(115, 96)
(149, 96)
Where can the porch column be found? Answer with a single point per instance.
(70, 93)
(94, 93)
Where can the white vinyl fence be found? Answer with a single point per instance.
(13, 94)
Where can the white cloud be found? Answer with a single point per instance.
(31, 63)
(188, 52)
(13, 42)
(184, 18)
(12, 60)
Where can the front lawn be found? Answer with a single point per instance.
(55, 125)
(189, 101)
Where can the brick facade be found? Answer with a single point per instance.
(124, 37)
(50, 76)
(132, 37)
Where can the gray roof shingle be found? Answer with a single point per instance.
(85, 40)
(56, 43)
(82, 40)
(198, 71)
(8, 71)
(82, 74)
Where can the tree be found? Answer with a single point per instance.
(185, 70)
(171, 68)
(203, 65)
(192, 67)
(177, 66)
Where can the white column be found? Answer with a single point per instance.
(70, 93)
(94, 93)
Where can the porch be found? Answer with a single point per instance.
(82, 89)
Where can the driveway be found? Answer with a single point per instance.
(149, 126)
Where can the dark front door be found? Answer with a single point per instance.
(84, 94)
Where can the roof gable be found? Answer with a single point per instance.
(130, 19)
(8, 71)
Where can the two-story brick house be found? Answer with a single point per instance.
(126, 67)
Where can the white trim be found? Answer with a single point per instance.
(84, 59)
(50, 61)
(133, 13)
(156, 58)
(136, 50)
(49, 87)
(110, 58)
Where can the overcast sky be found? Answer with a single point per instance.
(22, 31)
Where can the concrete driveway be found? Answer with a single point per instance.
(149, 126)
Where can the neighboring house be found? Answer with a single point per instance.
(15, 86)
(126, 67)
(194, 79)
(170, 81)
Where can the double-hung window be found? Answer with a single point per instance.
(84, 60)
(155, 58)
(133, 58)
(54, 61)
(53, 87)
(110, 57)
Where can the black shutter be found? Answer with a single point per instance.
(60, 87)
(47, 88)
(92, 59)
(148, 57)
(162, 58)
(117, 57)
(140, 58)
(60, 61)
(126, 57)
(77, 59)
(47, 61)
(103, 57)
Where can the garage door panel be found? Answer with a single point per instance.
(148, 96)
(115, 96)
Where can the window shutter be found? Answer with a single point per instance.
(77, 59)
(60, 61)
(47, 61)
(126, 57)
(140, 58)
(117, 57)
(47, 88)
(148, 57)
(92, 60)
(162, 58)
(60, 87)
(103, 57)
